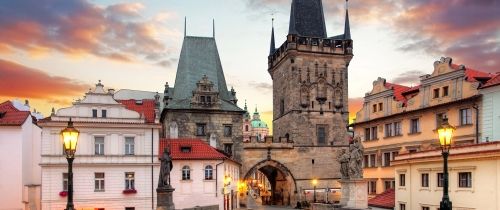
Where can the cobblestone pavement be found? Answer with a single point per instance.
(255, 205)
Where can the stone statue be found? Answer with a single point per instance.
(356, 158)
(343, 159)
(165, 168)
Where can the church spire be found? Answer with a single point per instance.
(347, 28)
(272, 47)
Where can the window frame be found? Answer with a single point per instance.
(99, 183)
(129, 147)
(467, 119)
(104, 113)
(445, 91)
(129, 181)
(424, 180)
(386, 161)
(203, 130)
(414, 125)
(94, 113)
(372, 187)
(436, 93)
(99, 148)
(440, 179)
(398, 130)
(468, 180)
(228, 130)
(319, 140)
(186, 173)
(402, 180)
(208, 172)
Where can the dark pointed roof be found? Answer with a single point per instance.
(307, 18)
(199, 57)
(347, 27)
(272, 48)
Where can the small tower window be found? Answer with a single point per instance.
(282, 107)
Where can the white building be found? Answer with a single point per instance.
(116, 163)
(198, 175)
(490, 110)
(19, 158)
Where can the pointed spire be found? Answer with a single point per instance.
(272, 47)
(185, 23)
(213, 28)
(246, 108)
(347, 28)
(307, 19)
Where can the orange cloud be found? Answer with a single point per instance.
(355, 104)
(24, 82)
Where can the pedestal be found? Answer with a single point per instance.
(354, 194)
(164, 198)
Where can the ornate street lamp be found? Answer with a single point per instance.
(445, 132)
(69, 137)
(314, 183)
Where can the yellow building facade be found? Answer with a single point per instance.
(396, 119)
(473, 171)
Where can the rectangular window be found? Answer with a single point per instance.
(380, 107)
(366, 161)
(397, 129)
(415, 125)
(374, 132)
(65, 181)
(228, 130)
(129, 180)
(445, 91)
(99, 145)
(439, 119)
(282, 107)
(103, 113)
(389, 184)
(436, 93)
(312, 104)
(373, 160)
(402, 206)
(321, 133)
(367, 134)
(402, 181)
(200, 129)
(440, 178)
(424, 180)
(228, 148)
(465, 179)
(98, 182)
(94, 112)
(372, 187)
(129, 145)
(425, 208)
(387, 159)
(465, 116)
(202, 99)
(388, 130)
(374, 108)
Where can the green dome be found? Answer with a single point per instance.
(258, 124)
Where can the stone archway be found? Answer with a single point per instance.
(283, 184)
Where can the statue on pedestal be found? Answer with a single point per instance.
(164, 190)
(356, 158)
(354, 188)
(343, 159)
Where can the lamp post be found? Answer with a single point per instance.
(445, 132)
(314, 183)
(69, 136)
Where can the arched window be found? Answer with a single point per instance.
(186, 173)
(209, 172)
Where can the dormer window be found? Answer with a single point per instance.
(138, 102)
(185, 149)
(445, 91)
(2, 114)
(374, 108)
(436, 93)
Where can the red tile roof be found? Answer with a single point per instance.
(471, 74)
(147, 108)
(11, 116)
(398, 90)
(383, 200)
(492, 82)
(200, 150)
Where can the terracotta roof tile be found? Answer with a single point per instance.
(147, 108)
(383, 200)
(11, 116)
(492, 82)
(471, 74)
(398, 90)
(200, 150)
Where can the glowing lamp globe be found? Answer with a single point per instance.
(314, 182)
(445, 132)
(69, 137)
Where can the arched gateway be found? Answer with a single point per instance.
(283, 184)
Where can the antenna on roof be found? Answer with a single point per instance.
(213, 28)
(185, 20)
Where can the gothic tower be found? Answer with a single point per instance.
(309, 72)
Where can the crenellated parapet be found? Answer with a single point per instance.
(310, 44)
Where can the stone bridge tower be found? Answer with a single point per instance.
(310, 111)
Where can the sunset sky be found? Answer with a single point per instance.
(52, 51)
